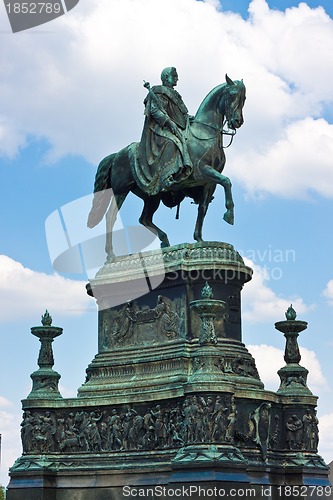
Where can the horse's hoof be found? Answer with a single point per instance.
(165, 244)
(198, 238)
(110, 259)
(229, 217)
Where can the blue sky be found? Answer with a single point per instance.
(71, 92)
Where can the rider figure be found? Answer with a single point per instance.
(163, 151)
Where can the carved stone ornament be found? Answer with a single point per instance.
(193, 420)
(207, 308)
(45, 379)
(187, 256)
(130, 324)
(259, 427)
(294, 432)
(207, 454)
(291, 330)
(240, 366)
(293, 376)
(302, 431)
(275, 432)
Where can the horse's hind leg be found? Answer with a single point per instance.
(151, 204)
(111, 216)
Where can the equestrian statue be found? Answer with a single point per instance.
(178, 156)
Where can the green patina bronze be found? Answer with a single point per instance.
(207, 309)
(178, 156)
(291, 313)
(45, 379)
(293, 376)
(164, 157)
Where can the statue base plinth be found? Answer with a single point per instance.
(172, 398)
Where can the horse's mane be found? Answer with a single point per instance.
(238, 85)
(210, 96)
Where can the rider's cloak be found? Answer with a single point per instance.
(161, 158)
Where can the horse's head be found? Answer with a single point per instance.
(233, 101)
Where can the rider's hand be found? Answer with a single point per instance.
(174, 129)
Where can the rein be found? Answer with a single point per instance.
(220, 130)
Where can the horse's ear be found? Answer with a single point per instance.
(228, 80)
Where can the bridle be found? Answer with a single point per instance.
(222, 130)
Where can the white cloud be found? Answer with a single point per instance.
(81, 88)
(292, 39)
(316, 379)
(10, 437)
(326, 437)
(4, 402)
(328, 292)
(67, 392)
(261, 304)
(296, 163)
(24, 292)
(269, 360)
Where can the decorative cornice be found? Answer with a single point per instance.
(212, 255)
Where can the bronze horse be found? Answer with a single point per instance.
(115, 179)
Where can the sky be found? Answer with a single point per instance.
(71, 92)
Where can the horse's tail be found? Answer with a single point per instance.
(102, 192)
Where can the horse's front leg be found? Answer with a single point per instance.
(204, 201)
(214, 176)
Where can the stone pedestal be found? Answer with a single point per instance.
(173, 399)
